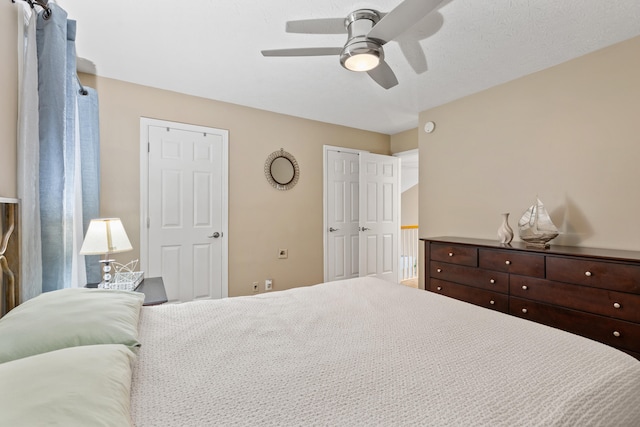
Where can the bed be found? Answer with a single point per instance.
(355, 352)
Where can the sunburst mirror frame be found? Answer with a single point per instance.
(269, 163)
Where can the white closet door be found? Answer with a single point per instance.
(362, 215)
(342, 214)
(379, 216)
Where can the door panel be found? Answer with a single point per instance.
(339, 245)
(169, 269)
(202, 190)
(387, 253)
(201, 270)
(387, 202)
(370, 255)
(170, 189)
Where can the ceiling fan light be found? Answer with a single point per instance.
(362, 62)
(361, 55)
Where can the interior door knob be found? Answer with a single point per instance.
(215, 235)
(331, 229)
(364, 229)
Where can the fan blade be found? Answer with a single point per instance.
(404, 16)
(303, 51)
(383, 75)
(317, 26)
(415, 55)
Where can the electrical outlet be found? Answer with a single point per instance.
(268, 284)
(283, 253)
(255, 287)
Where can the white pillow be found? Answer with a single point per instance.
(70, 317)
(77, 386)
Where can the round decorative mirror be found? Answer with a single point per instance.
(281, 170)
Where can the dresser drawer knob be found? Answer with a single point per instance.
(450, 253)
(492, 302)
(439, 270)
(616, 305)
(524, 310)
(492, 281)
(587, 273)
(439, 288)
(507, 262)
(616, 333)
(525, 287)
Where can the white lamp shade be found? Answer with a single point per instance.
(105, 236)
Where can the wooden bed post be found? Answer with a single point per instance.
(9, 254)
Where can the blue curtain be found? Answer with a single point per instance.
(89, 131)
(68, 129)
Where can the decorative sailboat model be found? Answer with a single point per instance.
(535, 226)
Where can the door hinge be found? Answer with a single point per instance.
(148, 222)
(148, 147)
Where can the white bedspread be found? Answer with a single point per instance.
(368, 352)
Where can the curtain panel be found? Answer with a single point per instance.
(28, 159)
(66, 156)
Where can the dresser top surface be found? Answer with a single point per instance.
(614, 254)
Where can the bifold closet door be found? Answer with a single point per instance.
(343, 176)
(379, 216)
(362, 215)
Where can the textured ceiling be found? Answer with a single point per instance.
(211, 49)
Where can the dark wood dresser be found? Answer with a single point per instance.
(590, 292)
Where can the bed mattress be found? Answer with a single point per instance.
(369, 352)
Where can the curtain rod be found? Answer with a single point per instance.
(42, 3)
(82, 91)
(46, 15)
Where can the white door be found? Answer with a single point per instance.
(355, 181)
(186, 226)
(342, 232)
(379, 216)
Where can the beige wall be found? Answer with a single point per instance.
(404, 141)
(261, 218)
(410, 205)
(568, 134)
(8, 97)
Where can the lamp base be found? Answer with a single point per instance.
(106, 270)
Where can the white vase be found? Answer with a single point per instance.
(505, 233)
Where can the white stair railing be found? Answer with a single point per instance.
(409, 252)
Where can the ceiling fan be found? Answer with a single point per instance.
(368, 30)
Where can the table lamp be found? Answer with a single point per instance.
(105, 236)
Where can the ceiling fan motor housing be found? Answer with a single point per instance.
(358, 24)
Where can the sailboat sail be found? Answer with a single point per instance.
(536, 227)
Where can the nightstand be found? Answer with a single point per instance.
(151, 287)
(153, 290)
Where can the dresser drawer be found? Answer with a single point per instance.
(477, 296)
(593, 300)
(616, 333)
(595, 273)
(455, 254)
(486, 279)
(512, 262)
